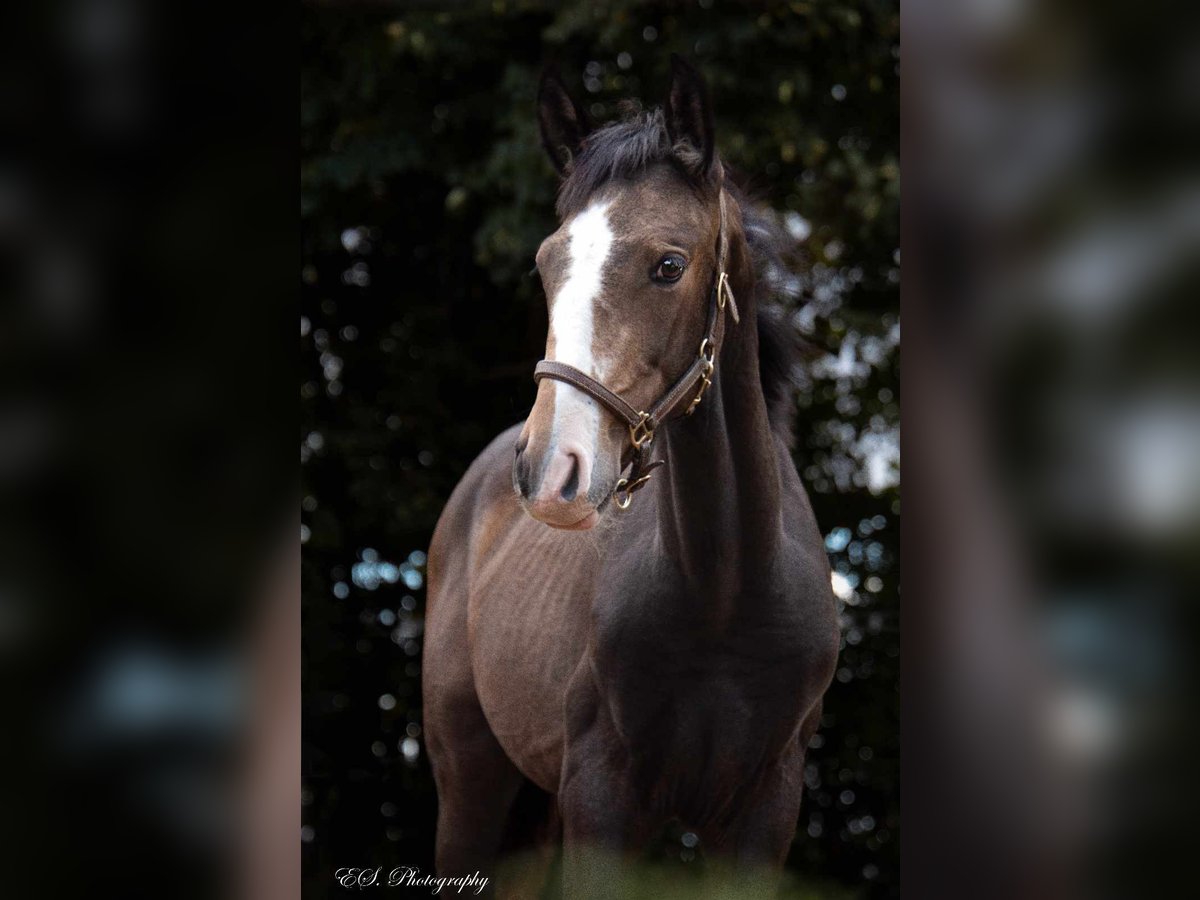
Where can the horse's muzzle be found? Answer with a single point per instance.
(554, 489)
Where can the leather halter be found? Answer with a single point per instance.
(689, 388)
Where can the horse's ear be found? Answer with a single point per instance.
(563, 122)
(689, 116)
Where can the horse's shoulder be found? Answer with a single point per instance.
(483, 487)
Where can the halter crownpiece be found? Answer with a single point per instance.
(689, 388)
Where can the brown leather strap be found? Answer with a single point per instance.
(549, 368)
(688, 389)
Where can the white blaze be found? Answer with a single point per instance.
(572, 316)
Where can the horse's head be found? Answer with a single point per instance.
(627, 279)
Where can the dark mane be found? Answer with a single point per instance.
(625, 148)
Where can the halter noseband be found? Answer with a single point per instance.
(688, 388)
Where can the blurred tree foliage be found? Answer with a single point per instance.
(424, 195)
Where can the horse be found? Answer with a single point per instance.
(630, 606)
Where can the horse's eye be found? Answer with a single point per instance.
(670, 267)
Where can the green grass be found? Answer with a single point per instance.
(537, 877)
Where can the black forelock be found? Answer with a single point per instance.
(619, 150)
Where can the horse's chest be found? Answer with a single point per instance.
(694, 744)
(701, 712)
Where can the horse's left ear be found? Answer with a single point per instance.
(689, 116)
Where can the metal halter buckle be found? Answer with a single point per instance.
(706, 354)
(641, 432)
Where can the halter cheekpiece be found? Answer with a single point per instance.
(688, 389)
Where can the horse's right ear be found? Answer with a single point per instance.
(563, 122)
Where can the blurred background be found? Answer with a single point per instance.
(424, 195)
(147, 527)
(1051, 225)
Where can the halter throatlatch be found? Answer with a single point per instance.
(687, 390)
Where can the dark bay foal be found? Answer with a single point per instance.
(660, 662)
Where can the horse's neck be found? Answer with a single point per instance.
(719, 497)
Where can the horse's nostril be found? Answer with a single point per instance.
(522, 443)
(571, 487)
(521, 475)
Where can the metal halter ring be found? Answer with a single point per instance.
(641, 432)
(722, 290)
(626, 487)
